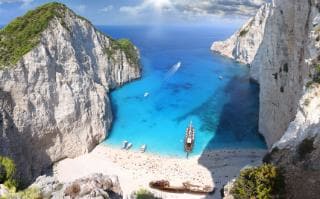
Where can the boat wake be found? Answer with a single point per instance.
(173, 69)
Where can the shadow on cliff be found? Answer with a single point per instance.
(19, 145)
(237, 126)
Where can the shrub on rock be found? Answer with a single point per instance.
(8, 172)
(263, 182)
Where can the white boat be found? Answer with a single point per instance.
(173, 69)
(143, 148)
(220, 77)
(124, 144)
(146, 94)
(129, 146)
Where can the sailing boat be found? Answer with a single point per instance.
(189, 139)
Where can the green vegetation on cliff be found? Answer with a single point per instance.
(305, 147)
(8, 172)
(263, 182)
(23, 33)
(127, 47)
(315, 76)
(243, 32)
(8, 178)
(144, 194)
(29, 193)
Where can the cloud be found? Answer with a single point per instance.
(16, 1)
(220, 7)
(157, 6)
(107, 8)
(199, 7)
(25, 4)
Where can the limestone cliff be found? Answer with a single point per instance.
(283, 69)
(54, 99)
(288, 61)
(244, 44)
(298, 150)
(94, 186)
(279, 62)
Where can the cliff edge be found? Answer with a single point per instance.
(278, 60)
(243, 45)
(56, 70)
(288, 61)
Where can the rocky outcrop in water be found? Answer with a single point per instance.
(244, 44)
(54, 101)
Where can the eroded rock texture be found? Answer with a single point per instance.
(54, 102)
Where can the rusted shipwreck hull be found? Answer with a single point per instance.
(186, 187)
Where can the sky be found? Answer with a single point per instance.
(144, 12)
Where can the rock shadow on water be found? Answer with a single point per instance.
(236, 128)
(206, 112)
(238, 120)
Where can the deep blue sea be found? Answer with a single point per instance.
(213, 92)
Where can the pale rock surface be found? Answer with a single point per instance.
(283, 69)
(93, 186)
(307, 121)
(3, 190)
(54, 103)
(298, 151)
(244, 44)
(227, 190)
(308, 112)
(279, 61)
(287, 60)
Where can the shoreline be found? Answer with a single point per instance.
(135, 170)
(191, 155)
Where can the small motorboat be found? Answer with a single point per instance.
(143, 148)
(124, 144)
(220, 77)
(129, 146)
(146, 94)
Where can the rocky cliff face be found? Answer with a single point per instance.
(298, 151)
(95, 186)
(279, 63)
(54, 102)
(244, 44)
(283, 69)
(288, 62)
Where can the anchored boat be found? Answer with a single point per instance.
(143, 148)
(129, 146)
(189, 139)
(124, 144)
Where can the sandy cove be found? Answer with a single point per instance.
(135, 170)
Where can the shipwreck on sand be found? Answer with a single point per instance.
(186, 187)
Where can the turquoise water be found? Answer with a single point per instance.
(211, 91)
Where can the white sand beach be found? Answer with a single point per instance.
(135, 170)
